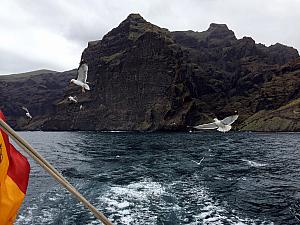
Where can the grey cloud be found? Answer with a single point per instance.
(80, 21)
(13, 63)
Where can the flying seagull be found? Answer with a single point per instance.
(82, 72)
(72, 99)
(198, 163)
(223, 125)
(27, 112)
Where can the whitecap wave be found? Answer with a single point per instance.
(254, 164)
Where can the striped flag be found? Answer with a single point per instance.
(14, 175)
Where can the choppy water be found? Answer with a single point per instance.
(157, 178)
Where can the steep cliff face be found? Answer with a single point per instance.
(38, 91)
(232, 74)
(132, 72)
(275, 106)
(144, 77)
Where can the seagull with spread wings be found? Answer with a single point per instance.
(223, 125)
(27, 112)
(82, 72)
(198, 163)
(72, 99)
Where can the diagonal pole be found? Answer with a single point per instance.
(51, 170)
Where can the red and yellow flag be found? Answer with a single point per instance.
(14, 175)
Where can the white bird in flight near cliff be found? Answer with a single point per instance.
(223, 125)
(72, 99)
(82, 72)
(27, 112)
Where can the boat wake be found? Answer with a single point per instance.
(148, 203)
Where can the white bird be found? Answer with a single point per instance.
(72, 99)
(221, 125)
(198, 163)
(27, 112)
(82, 72)
(80, 107)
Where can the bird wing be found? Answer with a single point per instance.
(82, 73)
(207, 126)
(24, 108)
(229, 120)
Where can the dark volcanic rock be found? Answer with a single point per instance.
(38, 91)
(144, 77)
(133, 74)
(279, 54)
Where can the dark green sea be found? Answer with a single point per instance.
(154, 178)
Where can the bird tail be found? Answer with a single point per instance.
(225, 128)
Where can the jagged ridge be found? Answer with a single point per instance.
(144, 77)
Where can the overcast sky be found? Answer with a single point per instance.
(51, 34)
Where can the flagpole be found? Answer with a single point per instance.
(52, 171)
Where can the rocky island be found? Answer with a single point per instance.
(147, 78)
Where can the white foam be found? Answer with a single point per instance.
(140, 190)
(131, 204)
(123, 204)
(144, 201)
(254, 164)
(212, 212)
(115, 131)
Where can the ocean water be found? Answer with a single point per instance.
(166, 178)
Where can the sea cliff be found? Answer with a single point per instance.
(147, 78)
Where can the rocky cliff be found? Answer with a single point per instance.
(144, 77)
(38, 91)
